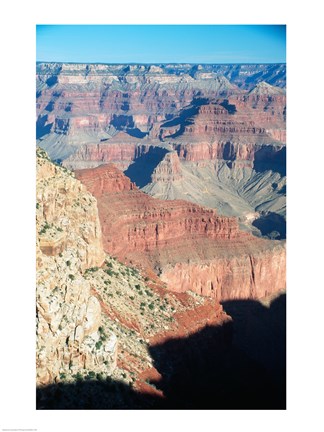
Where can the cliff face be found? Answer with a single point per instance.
(226, 123)
(255, 273)
(145, 223)
(90, 308)
(87, 104)
(190, 246)
(69, 241)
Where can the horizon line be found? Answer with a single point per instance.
(159, 63)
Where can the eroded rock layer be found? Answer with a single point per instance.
(69, 241)
(91, 325)
(175, 236)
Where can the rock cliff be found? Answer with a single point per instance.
(175, 236)
(69, 241)
(86, 104)
(90, 308)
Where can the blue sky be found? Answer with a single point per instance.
(161, 43)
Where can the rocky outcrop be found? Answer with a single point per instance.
(168, 170)
(69, 241)
(175, 236)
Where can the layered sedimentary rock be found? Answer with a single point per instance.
(175, 236)
(69, 241)
(84, 104)
(168, 170)
(225, 122)
(80, 104)
(232, 154)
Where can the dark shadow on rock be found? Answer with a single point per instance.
(269, 157)
(42, 127)
(185, 117)
(271, 225)
(52, 80)
(260, 333)
(93, 394)
(240, 365)
(136, 133)
(141, 169)
(121, 122)
(231, 108)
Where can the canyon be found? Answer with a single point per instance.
(112, 334)
(226, 123)
(190, 247)
(96, 317)
(160, 224)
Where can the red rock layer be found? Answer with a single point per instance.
(144, 223)
(190, 246)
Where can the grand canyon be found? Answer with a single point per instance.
(161, 229)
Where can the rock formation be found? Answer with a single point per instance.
(122, 275)
(191, 247)
(90, 308)
(68, 242)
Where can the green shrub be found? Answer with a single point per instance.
(100, 377)
(78, 376)
(151, 306)
(98, 344)
(71, 277)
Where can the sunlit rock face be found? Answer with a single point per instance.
(189, 246)
(69, 240)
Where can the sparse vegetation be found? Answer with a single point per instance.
(91, 270)
(98, 344)
(45, 228)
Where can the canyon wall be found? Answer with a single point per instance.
(69, 241)
(191, 247)
(88, 104)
